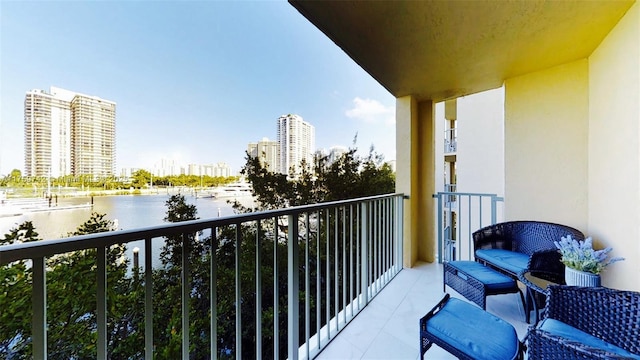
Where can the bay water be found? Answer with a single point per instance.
(127, 212)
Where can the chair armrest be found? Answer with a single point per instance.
(548, 261)
(543, 345)
(435, 310)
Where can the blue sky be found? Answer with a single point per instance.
(194, 82)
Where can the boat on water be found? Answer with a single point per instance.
(19, 206)
(232, 190)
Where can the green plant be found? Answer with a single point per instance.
(580, 255)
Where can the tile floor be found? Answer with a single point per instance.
(388, 327)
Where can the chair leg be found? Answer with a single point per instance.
(525, 304)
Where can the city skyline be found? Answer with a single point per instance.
(194, 82)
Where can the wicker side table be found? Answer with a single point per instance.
(537, 282)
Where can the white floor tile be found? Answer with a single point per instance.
(388, 346)
(340, 348)
(388, 328)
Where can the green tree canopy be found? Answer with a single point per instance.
(350, 176)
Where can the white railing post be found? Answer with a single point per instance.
(293, 286)
(494, 208)
(307, 287)
(238, 273)
(101, 295)
(364, 263)
(39, 301)
(440, 226)
(186, 291)
(400, 231)
(148, 301)
(213, 295)
(276, 293)
(258, 291)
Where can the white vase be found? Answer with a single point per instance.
(575, 277)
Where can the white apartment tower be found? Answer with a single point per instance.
(67, 133)
(47, 135)
(267, 152)
(297, 141)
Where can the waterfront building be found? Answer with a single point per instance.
(267, 152)
(220, 169)
(68, 133)
(167, 167)
(47, 131)
(297, 142)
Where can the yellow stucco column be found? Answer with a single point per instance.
(415, 176)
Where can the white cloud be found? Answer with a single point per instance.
(371, 111)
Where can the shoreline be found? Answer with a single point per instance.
(68, 193)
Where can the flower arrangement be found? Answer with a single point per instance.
(580, 255)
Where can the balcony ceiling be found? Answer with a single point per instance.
(444, 49)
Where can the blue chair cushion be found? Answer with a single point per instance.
(568, 332)
(492, 279)
(473, 331)
(511, 261)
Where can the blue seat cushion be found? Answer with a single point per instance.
(473, 331)
(568, 332)
(492, 279)
(511, 261)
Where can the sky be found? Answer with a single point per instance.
(193, 81)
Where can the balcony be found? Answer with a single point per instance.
(369, 305)
(450, 141)
(313, 268)
(388, 327)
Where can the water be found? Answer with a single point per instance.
(128, 211)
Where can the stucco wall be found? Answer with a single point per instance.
(415, 176)
(406, 115)
(546, 128)
(614, 149)
(481, 142)
(480, 160)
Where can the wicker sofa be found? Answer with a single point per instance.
(587, 323)
(515, 246)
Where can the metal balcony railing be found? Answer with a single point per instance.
(339, 255)
(450, 201)
(459, 215)
(450, 141)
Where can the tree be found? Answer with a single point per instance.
(15, 298)
(71, 302)
(350, 176)
(141, 179)
(15, 174)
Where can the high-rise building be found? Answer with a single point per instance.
(68, 133)
(47, 132)
(297, 141)
(267, 152)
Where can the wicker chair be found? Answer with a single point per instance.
(516, 246)
(587, 323)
